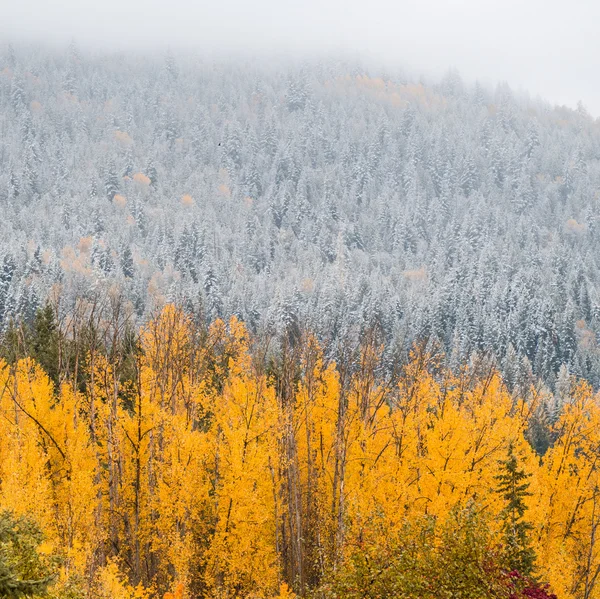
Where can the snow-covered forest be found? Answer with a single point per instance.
(321, 195)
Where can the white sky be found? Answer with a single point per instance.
(550, 48)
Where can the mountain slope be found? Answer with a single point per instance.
(318, 195)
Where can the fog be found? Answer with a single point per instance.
(547, 47)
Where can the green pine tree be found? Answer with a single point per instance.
(513, 486)
(44, 341)
(23, 573)
(11, 346)
(12, 588)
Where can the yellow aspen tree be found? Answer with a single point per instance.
(49, 468)
(242, 558)
(567, 513)
(25, 484)
(314, 420)
(466, 436)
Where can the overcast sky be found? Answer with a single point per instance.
(549, 47)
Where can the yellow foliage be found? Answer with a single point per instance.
(141, 179)
(113, 585)
(224, 190)
(308, 285)
(285, 592)
(200, 470)
(399, 95)
(48, 466)
(187, 200)
(85, 244)
(572, 226)
(178, 594)
(75, 261)
(119, 200)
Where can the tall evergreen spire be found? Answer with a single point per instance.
(513, 487)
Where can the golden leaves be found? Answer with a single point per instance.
(572, 226)
(187, 200)
(285, 592)
(141, 179)
(85, 244)
(178, 594)
(307, 285)
(399, 95)
(77, 261)
(113, 584)
(195, 459)
(119, 200)
(224, 190)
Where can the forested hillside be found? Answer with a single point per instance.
(180, 461)
(325, 196)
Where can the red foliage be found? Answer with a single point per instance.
(524, 587)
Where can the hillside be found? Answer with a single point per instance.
(321, 196)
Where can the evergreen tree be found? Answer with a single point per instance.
(127, 263)
(22, 571)
(44, 341)
(11, 346)
(513, 487)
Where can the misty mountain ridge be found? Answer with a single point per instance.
(318, 195)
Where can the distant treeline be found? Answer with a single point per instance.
(328, 196)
